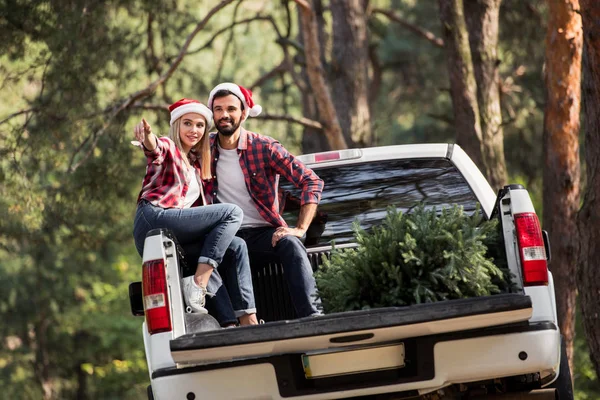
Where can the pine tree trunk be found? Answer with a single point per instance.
(42, 359)
(564, 42)
(314, 69)
(482, 23)
(80, 341)
(82, 386)
(313, 140)
(588, 276)
(463, 86)
(349, 77)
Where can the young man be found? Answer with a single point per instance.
(246, 167)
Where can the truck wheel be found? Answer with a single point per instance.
(150, 394)
(563, 384)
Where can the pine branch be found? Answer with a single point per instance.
(429, 36)
(280, 69)
(230, 27)
(308, 123)
(16, 114)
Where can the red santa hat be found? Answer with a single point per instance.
(245, 95)
(186, 106)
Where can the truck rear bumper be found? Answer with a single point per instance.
(365, 327)
(432, 362)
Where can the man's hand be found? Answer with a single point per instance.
(307, 212)
(283, 231)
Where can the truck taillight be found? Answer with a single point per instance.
(156, 298)
(531, 249)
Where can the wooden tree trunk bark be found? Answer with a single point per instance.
(314, 68)
(588, 275)
(482, 23)
(349, 75)
(313, 140)
(42, 359)
(80, 341)
(463, 87)
(564, 42)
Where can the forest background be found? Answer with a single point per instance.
(501, 78)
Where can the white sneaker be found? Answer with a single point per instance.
(194, 295)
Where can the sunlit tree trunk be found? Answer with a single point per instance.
(588, 274)
(463, 87)
(313, 140)
(316, 76)
(349, 70)
(482, 24)
(561, 155)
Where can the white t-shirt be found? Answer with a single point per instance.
(232, 188)
(194, 189)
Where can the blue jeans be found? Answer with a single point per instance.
(229, 291)
(209, 232)
(296, 266)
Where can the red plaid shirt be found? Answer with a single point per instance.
(165, 184)
(262, 159)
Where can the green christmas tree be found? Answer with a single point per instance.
(424, 256)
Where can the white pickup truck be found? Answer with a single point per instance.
(505, 346)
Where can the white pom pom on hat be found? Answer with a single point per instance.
(245, 96)
(186, 106)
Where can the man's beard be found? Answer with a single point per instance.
(228, 131)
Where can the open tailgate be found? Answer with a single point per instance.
(368, 327)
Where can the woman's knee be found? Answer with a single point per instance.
(235, 213)
(139, 246)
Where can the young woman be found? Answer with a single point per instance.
(170, 196)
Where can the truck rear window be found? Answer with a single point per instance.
(364, 191)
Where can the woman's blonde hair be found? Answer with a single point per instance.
(201, 149)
